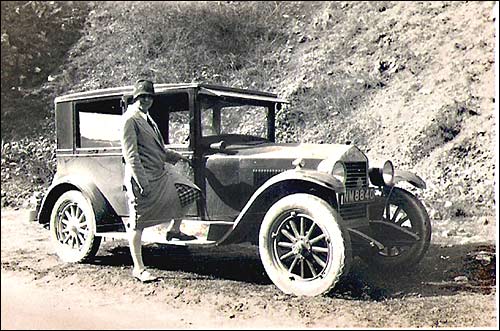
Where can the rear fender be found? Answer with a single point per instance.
(247, 224)
(102, 209)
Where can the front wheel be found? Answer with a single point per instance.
(403, 210)
(302, 245)
(72, 228)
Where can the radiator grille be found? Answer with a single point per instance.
(356, 177)
(356, 174)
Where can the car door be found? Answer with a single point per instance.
(97, 155)
(171, 112)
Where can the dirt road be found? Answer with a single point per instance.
(226, 287)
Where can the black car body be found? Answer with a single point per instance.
(254, 189)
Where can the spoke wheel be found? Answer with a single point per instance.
(407, 212)
(395, 214)
(72, 226)
(302, 246)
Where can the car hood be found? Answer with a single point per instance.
(305, 151)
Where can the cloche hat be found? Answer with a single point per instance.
(143, 86)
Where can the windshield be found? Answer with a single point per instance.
(233, 118)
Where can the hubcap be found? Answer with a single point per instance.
(302, 247)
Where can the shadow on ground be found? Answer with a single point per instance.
(445, 270)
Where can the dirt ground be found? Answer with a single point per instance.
(226, 287)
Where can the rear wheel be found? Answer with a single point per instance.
(303, 248)
(72, 227)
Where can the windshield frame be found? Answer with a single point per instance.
(230, 101)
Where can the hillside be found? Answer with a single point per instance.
(409, 81)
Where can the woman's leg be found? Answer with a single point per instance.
(135, 243)
(175, 232)
(134, 235)
(187, 196)
(175, 226)
(139, 271)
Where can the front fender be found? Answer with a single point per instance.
(101, 207)
(247, 223)
(410, 177)
(399, 176)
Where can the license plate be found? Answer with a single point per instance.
(357, 196)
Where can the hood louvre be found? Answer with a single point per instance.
(260, 176)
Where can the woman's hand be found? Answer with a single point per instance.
(146, 190)
(187, 160)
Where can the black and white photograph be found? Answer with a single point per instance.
(249, 165)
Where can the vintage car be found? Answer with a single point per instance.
(309, 207)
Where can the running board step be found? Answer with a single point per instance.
(207, 233)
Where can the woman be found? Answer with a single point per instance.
(156, 192)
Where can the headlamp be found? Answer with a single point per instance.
(382, 176)
(339, 171)
(388, 173)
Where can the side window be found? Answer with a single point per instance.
(98, 123)
(178, 129)
(210, 122)
(170, 110)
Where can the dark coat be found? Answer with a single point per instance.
(149, 164)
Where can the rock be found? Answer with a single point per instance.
(302, 39)
(451, 233)
(461, 279)
(5, 39)
(484, 257)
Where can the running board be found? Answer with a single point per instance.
(206, 232)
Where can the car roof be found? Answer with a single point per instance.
(208, 89)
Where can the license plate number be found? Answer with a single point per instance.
(357, 196)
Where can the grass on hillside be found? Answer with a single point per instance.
(408, 80)
(227, 43)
